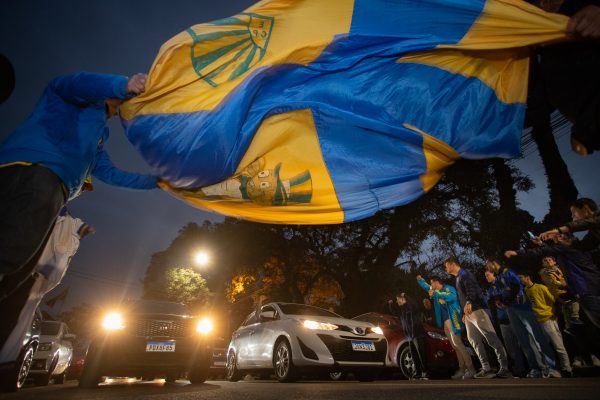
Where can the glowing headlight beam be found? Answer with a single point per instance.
(204, 326)
(319, 325)
(113, 321)
(377, 330)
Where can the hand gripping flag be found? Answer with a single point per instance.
(314, 112)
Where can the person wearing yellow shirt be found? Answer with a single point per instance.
(543, 308)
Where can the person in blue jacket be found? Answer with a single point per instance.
(448, 316)
(45, 161)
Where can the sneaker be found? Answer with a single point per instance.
(503, 373)
(552, 373)
(484, 373)
(566, 373)
(578, 362)
(595, 361)
(534, 373)
(469, 374)
(458, 374)
(424, 376)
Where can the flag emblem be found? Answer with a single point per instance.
(234, 47)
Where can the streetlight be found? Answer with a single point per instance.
(201, 258)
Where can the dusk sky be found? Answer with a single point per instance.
(46, 39)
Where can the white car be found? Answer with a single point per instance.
(53, 355)
(288, 338)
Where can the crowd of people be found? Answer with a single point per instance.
(524, 314)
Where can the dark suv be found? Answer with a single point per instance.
(150, 339)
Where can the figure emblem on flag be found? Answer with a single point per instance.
(260, 185)
(235, 46)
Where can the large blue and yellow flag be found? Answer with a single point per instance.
(314, 111)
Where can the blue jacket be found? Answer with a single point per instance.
(67, 130)
(469, 291)
(510, 290)
(445, 300)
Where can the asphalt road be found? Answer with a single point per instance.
(517, 389)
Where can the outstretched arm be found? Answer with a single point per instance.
(108, 173)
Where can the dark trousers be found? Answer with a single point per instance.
(417, 349)
(30, 199)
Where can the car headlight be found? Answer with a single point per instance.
(204, 326)
(435, 335)
(319, 325)
(45, 346)
(113, 321)
(377, 330)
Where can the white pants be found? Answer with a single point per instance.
(480, 328)
(551, 330)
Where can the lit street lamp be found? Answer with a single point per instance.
(201, 258)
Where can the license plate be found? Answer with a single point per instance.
(363, 346)
(160, 347)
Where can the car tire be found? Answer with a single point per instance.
(232, 374)
(59, 379)
(198, 375)
(91, 374)
(14, 379)
(44, 380)
(338, 375)
(406, 362)
(285, 371)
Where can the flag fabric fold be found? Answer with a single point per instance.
(315, 112)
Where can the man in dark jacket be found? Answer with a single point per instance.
(407, 311)
(477, 321)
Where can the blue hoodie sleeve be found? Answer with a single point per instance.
(424, 285)
(108, 173)
(85, 87)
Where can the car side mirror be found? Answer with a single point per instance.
(267, 315)
(69, 336)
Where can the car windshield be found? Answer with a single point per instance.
(160, 307)
(301, 309)
(50, 328)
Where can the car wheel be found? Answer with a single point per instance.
(406, 362)
(14, 379)
(44, 380)
(59, 379)
(199, 375)
(233, 374)
(285, 371)
(338, 375)
(91, 374)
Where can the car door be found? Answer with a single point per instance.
(263, 338)
(241, 340)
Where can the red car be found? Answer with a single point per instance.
(440, 356)
(79, 353)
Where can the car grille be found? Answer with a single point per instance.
(341, 350)
(161, 328)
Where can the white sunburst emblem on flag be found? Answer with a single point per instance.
(235, 46)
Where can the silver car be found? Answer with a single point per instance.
(54, 353)
(288, 339)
